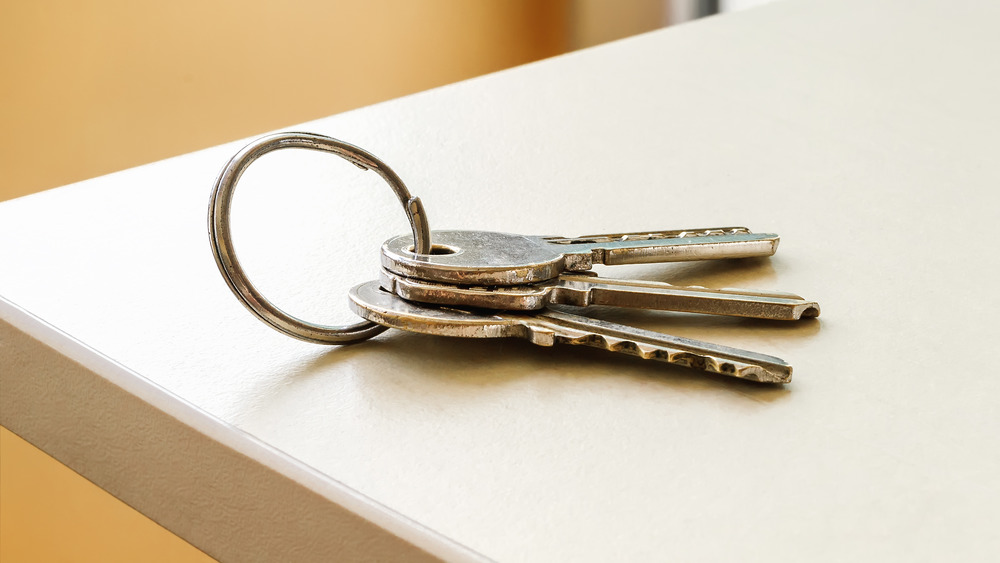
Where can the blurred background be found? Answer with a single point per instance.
(89, 87)
(94, 86)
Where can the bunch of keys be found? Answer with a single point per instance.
(478, 284)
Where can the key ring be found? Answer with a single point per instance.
(220, 207)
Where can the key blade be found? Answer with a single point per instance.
(371, 302)
(647, 235)
(581, 291)
(584, 290)
(663, 246)
(551, 326)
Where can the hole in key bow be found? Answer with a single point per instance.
(438, 249)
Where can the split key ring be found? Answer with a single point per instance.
(220, 207)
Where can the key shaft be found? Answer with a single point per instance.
(585, 290)
(581, 253)
(549, 327)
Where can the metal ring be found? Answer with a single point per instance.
(220, 207)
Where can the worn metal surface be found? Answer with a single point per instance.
(488, 258)
(582, 290)
(549, 327)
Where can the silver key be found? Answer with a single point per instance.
(487, 258)
(583, 290)
(549, 327)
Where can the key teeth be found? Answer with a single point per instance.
(542, 336)
(723, 367)
(628, 347)
(688, 359)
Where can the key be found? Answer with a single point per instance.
(582, 290)
(549, 327)
(487, 258)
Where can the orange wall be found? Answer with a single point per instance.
(49, 513)
(93, 86)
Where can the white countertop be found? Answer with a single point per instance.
(866, 134)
